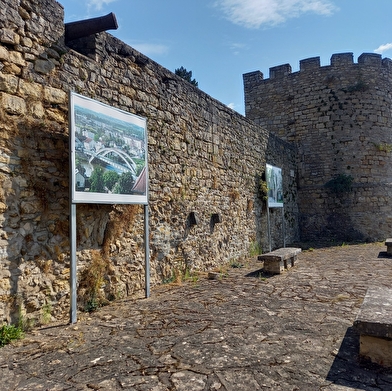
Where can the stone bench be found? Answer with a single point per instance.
(374, 324)
(388, 243)
(275, 262)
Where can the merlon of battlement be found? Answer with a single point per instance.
(253, 76)
(370, 59)
(387, 63)
(310, 64)
(279, 71)
(340, 59)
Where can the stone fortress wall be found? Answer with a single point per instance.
(339, 117)
(206, 164)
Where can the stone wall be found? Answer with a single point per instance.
(205, 166)
(339, 117)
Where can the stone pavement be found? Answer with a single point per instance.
(241, 332)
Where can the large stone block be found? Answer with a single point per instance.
(9, 37)
(374, 324)
(17, 58)
(44, 66)
(13, 104)
(8, 83)
(55, 95)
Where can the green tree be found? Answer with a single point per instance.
(96, 180)
(125, 184)
(98, 134)
(110, 178)
(186, 75)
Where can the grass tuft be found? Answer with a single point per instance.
(9, 333)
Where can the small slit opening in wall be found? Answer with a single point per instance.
(192, 220)
(215, 219)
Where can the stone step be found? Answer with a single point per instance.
(374, 324)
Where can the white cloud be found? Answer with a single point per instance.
(231, 106)
(98, 4)
(150, 49)
(255, 13)
(236, 48)
(383, 48)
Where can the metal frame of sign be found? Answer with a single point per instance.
(273, 176)
(113, 140)
(106, 140)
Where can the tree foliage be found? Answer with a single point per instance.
(125, 184)
(186, 75)
(110, 178)
(97, 182)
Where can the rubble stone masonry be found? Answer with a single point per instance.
(339, 117)
(204, 160)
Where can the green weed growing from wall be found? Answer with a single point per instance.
(383, 147)
(341, 184)
(360, 86)
(262, 187)
(255, 249)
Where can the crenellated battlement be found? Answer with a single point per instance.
(341, 61)
(339, 117)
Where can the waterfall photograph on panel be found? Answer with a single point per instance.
(108, 150)
(275, 187)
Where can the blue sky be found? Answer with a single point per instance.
(219, 40)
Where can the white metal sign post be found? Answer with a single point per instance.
(146, 253)
(72, 271)
(105, 140)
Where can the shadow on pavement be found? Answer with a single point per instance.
(349, 371)
(259, 274)
(384, 255)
